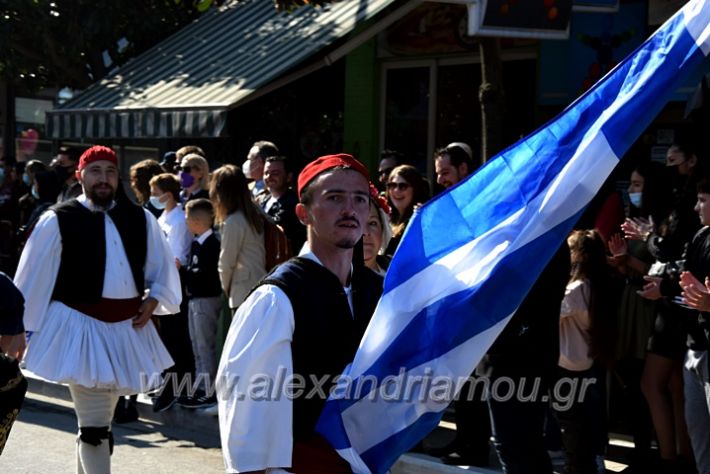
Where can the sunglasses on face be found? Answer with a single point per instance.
(186, 169)
(399, 186)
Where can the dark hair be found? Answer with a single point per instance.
(288, 167)
(685, 148)
(266, 149)
(657, 195)
(48, 186)
(35, 166)
(200, 206)
(421, 194)
(73, 153)
(168, 183)
(229, 193)
(457, 156)
(140, 176)
(392, 155)
(704, 186)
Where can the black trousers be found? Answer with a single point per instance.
(175, 334)
(518, 430)
(581, 413)
(473, 423)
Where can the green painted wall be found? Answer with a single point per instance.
(362, 91)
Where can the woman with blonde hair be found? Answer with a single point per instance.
(194, 177)
(377, 233)
(242, 256)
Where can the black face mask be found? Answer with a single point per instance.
(63, 172)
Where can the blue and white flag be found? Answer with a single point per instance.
(470, 255)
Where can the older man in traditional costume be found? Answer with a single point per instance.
(93, 272)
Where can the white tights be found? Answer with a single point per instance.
(94, 408)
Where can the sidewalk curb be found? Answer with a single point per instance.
(204, 430)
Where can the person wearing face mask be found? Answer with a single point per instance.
(661, 227)
(28, 201)
(65, 165)
(177, 157)
(253, 168)
(174, 329)
(44, 191)
(194, 178)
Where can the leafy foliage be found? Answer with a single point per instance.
(73, 43)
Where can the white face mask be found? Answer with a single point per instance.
(635, 199)
(246, 169)
(156, 202)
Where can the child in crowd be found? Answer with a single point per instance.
(584, 309)
(204, 292)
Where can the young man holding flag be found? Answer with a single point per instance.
(298, 330)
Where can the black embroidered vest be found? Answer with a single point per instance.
(326, 335)
(81, 271)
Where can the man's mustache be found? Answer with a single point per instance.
(348, 219)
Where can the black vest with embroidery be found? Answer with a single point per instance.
(83, 260)
(326, 335)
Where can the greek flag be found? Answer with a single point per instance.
(470, 255)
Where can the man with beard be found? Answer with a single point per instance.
(304, 322)
(93, 272)
(452, 164)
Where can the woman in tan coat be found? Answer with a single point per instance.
(241, 259)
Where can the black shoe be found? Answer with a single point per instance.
(200, 401)
(164, 401)
(126, 411)
(455, 459)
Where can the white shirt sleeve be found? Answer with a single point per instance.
(256, 427)
(38, 269)
(161, 276)
(180, 238)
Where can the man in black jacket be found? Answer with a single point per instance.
(280, 203)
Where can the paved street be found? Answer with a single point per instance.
(42, 441)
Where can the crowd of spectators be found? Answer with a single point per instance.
(620, 305)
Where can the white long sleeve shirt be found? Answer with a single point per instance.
(257, 431)
(39, 265)
(174, 226)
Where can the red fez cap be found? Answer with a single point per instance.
(325, 163)
(97, 153)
